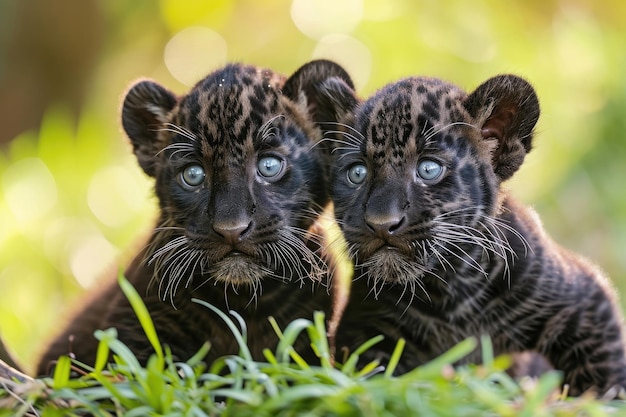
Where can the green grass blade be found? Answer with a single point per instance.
(102, 354)
(395, 358)
(319, 338)
(197, 358)
(350, 365)
(288, 338)
(487, 351)
(121, 351)
(62, 372)
(243, 346)
(453, 355)
(142, 314)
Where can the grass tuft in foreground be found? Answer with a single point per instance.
(285, 385)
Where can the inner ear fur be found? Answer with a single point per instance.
(325, 89)
(506, 109)
(145, 110)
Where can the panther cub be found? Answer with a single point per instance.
(441, 252)
(240, 179)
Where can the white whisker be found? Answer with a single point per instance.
(268, 130)
(179, 130)
(434, 132)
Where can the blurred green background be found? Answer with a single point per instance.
(74, 206)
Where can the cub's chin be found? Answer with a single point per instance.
(391, 266)
(239, 270)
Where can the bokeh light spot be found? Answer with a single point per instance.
(193, 52)
(30, 189)
(577, 35)
(381, 11)
(318, 18)
(115, 196)
(347, 51)
(61, 237)
(91, 256)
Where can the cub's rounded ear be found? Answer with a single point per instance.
(145, 110)
(506, 109)
(324, 88)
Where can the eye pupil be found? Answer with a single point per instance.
(270, 167)
(193, 175)
(429, 169)
(357, 173)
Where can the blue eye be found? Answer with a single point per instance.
(429, 170)
(192, 176)
(270, 168)
(357, 174)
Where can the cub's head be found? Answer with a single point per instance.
(239, 174)
(417, 173)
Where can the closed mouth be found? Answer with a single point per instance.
(390, 253)
(389, 248)
(393, 250)
(238, 255)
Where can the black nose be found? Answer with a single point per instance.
(232, 233)
(384, 227)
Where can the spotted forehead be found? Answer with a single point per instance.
(401, 118)
(226, 109)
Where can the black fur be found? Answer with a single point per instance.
(240, 177)
(442, 253)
